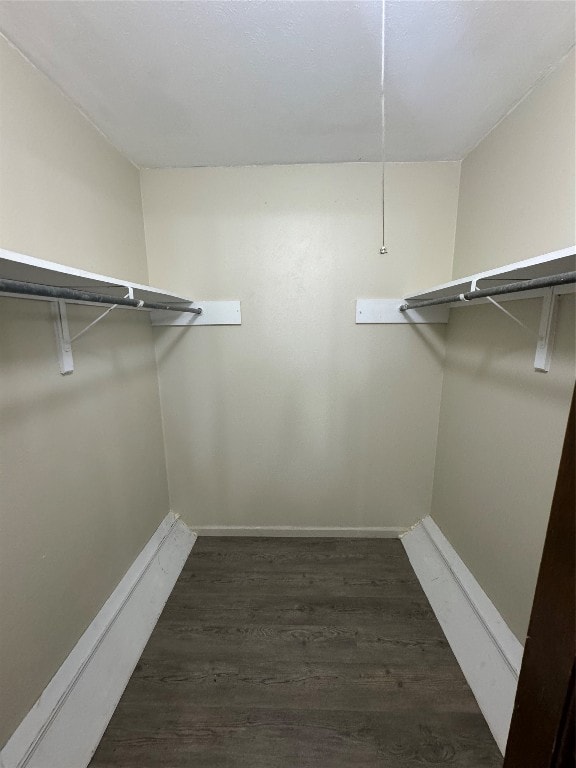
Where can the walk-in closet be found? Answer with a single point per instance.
(287, 364)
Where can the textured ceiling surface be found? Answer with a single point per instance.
(291, 81)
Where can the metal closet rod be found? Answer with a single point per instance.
(73, 294)
(564, 278)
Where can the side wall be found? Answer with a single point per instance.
(517, 192)
(502, 424)
(299, 417)
(82, 468)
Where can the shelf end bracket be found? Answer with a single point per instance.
(63, 343)
(547, 331)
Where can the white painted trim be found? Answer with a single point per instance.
(290, 530)
(487, 651)
(64, 727)
(213, 313)
(388, 311)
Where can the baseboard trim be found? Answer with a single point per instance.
(290, 530)
(64, 727)
(487, 651)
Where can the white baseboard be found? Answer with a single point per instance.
(487, 651)
(64, 727)
(290, 530)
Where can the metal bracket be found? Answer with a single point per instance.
(547, 331)
(63, 343)
(62, 332)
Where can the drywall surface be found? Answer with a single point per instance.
(500, 439)
(66, 195)
(502, 424)
(299, 417)
(517, 196)
(81, 459)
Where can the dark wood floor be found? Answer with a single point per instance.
(297, 653)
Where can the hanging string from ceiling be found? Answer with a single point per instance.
(383, 249)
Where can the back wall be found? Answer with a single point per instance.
(299, 417)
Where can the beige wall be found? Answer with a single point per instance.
(502, 424)
(300, 417)
(517, 192)
(66, 194)
(81, 457)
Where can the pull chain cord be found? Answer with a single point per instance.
(383, 249)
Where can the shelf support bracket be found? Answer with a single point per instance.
(547, 331)
(129, 295)
(62, 332)
(63, 343)
(512, 317)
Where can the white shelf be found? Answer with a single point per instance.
(28, 269)
(540, 266)
(17, 266)
(388, 311)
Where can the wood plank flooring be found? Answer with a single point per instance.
(297, 653)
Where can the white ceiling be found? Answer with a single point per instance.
(291, 81)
